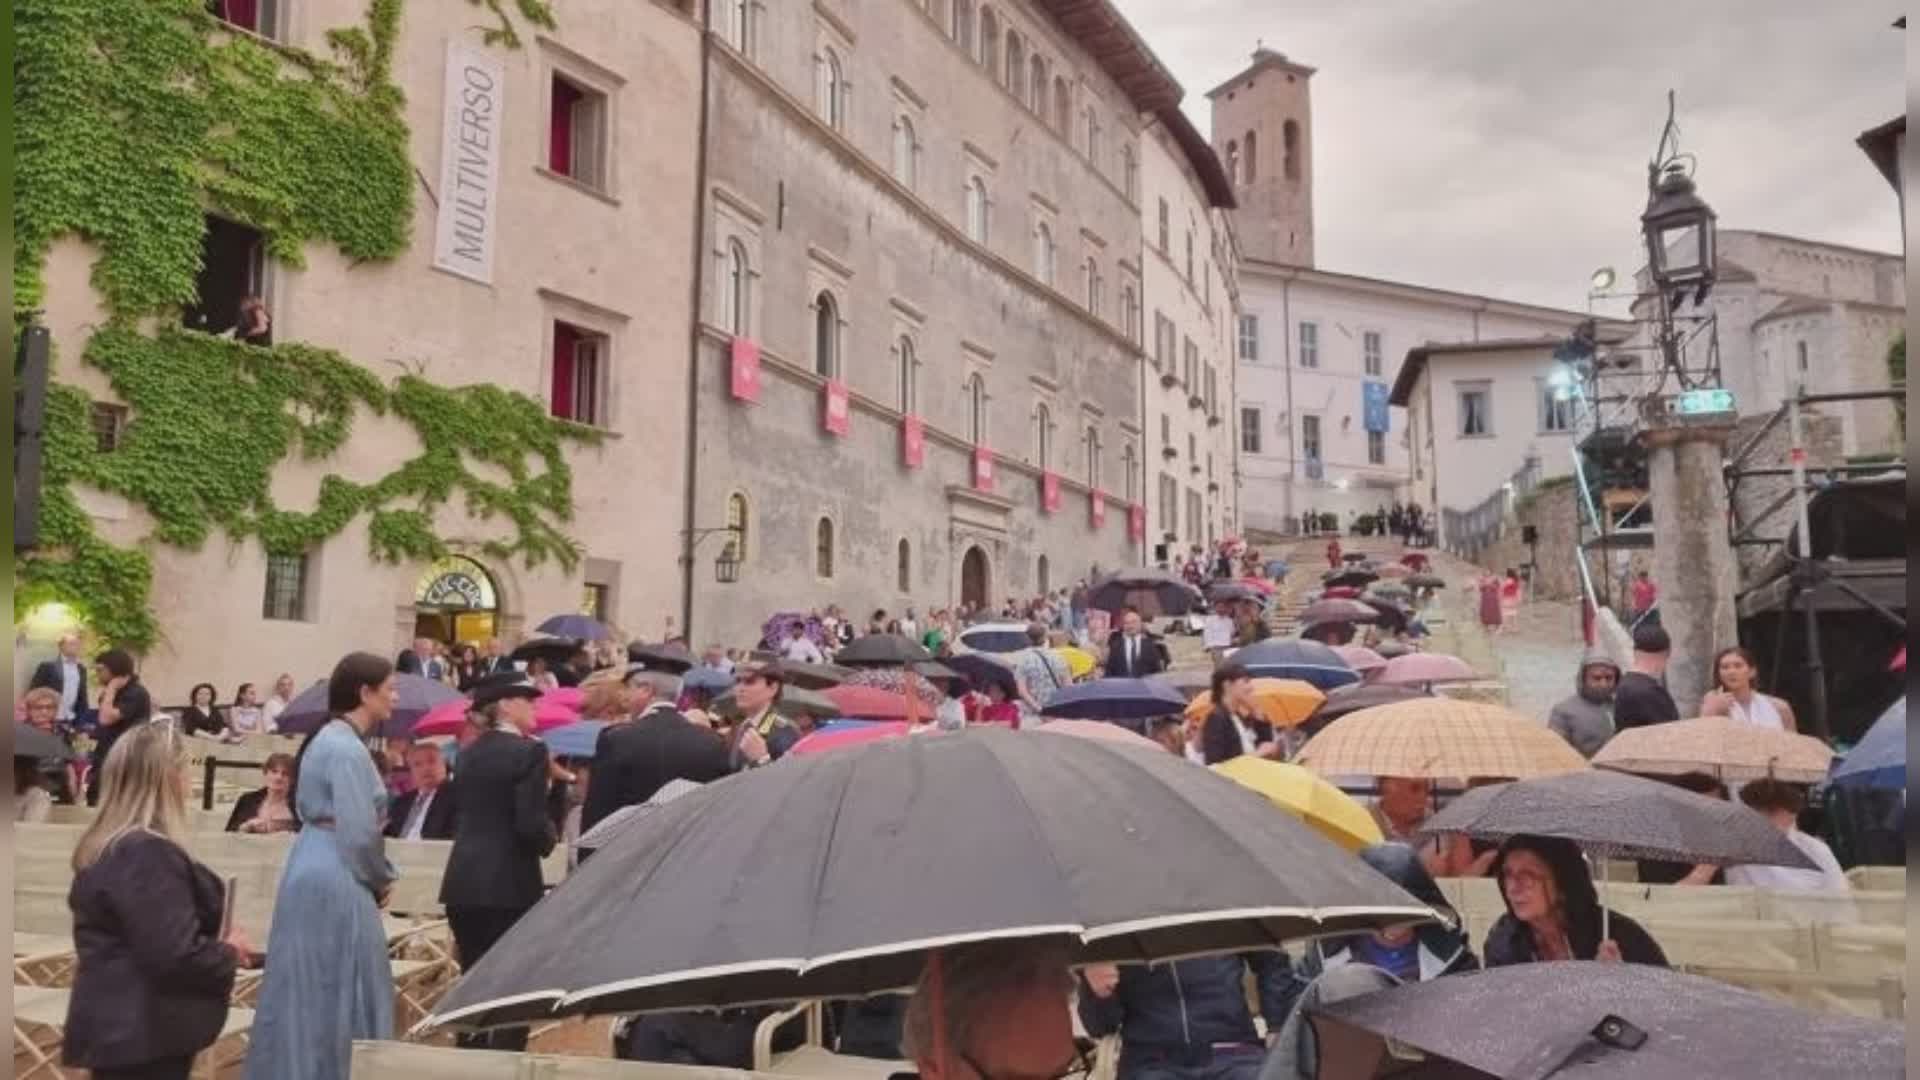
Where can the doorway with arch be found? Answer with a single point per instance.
(456, 600)
(975, 579)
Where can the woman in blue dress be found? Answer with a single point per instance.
(328, 981)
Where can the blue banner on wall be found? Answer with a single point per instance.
(1373, 406)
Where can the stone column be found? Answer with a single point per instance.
(1693, 563)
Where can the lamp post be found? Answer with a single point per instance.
(1678, 227)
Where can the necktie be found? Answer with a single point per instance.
(417, 816)
(1133, 655)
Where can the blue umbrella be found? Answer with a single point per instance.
(1115, 699)
(709, 679)
(413, 697)
(584, 627)
(1879, 759)
(573, 740)
(1293, 658)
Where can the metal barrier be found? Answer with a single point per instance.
(1468, 532)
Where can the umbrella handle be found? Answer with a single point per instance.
(1605, 912)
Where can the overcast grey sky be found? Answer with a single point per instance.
(1500, 146)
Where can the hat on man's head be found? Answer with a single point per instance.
(770, 670)
(506, 684)
(1651, 638)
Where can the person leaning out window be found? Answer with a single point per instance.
(152, 974)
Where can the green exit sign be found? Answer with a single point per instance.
(1702, 402)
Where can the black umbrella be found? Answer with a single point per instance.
(1355, 557)
(1600, 1020)
(981, 671)
(1358, 578)
(1308, 661)
(1229, 591)
(576, 626)
(1353, 698)
(1115, 699)
(548, 647)
(668, 656)
(1424, 581)
(31, 742)
(413, 697)
(1339, 610)
(836, 875)
(1189, 681)
(811, 676)
(1393, 617)
(1152, 592)
(881, 650)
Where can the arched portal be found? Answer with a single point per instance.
(456, 600)
(975, 579)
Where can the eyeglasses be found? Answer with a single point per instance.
(1077, 1068)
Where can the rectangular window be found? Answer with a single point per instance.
(1194, 514)
(1476, 410)
(1376, 448)
(580, 360)
(1190, 365)
(1166, 430)
(1556, 407)
(109, 423)
(1162, 342)
(1310, 437)
(286, 596)
(1250, 338)
(1165, 229)
(577, 133)
(1249, 430)
(1169, 504)
(1212, 395)
(594, 601)
(1189, 258)
(1370, 351)
(1309, 345)
(260, 16)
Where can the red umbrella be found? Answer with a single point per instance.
(1899, 660)
(1341, 592)
(1261, 585)
(555, 708)
(873, 703)
(1419, 668)
(1099, 729)
(1360, 658)
(832, 738)
(1339, 609)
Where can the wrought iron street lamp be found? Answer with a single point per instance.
(1679, 226)
(726, 566)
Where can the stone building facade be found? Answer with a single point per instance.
(1192, 298)
(575, 269)
(917, 370)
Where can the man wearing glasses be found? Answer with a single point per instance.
(1002, 1015)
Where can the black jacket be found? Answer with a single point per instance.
(632, 761)
(1640, 700)
(152, 978)
(1174, 1013)
(48, 675)
(1219, 741)
(1151, 660)
(1509, 941)
(502, 831)
(135, 706)
(441, 819)
(247, 807)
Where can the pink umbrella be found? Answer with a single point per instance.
(1361, 659)
(1260, 585)
(555, 708)
(1099, 729)
(1425, 668)
(826, 739)
(873, 703)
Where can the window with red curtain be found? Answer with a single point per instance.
(244, 14)
(565, 340)
(560, 145)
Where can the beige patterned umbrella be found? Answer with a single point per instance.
(1719, 746)
(1439, 739)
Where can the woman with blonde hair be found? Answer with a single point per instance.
(152, 973)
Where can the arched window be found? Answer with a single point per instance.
(909, 376)
(1041, 575)
(1042, 436)
(738, 282)
(1130, 464)
(1016, 79)
(977, 210)
(829, 90)
(989, 40)
(906, 150)
(1037, 85)
(826, 336)
(1130, 314)
(1090, 445)
(977, 409)
(1043, 253)
(1252, 167)
(1129, 174)
(1092, 271)
(1062, 106)
(1233, 162)
(1290, 150)
(903, 570)
(963, 24)
(823, 548)
(1093, 135)
(736, 544)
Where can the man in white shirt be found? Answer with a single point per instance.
(1780, 803)
(799, 648)
(910, 625)
(66, 674)
(426, 812)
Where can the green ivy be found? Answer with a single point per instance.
(135, 118)
(537, 12)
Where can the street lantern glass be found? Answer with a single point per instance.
(1679, 228)
(726, 568)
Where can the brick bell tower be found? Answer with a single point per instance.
(1263, 133)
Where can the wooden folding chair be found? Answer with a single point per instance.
(39, 1029)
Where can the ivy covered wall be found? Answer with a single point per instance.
(134, 120)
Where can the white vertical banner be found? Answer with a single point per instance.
(471, 142)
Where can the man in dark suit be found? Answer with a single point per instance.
(633, 761)
(426, 812)
(66, 675)
(494, 659)
(1131, 651)
(493, 872)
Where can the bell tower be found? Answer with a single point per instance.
(1263, 134)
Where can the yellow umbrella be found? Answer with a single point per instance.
(1284, 703)
(1079, 661)
(1330, 811)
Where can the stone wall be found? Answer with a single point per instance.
(1554, 510)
